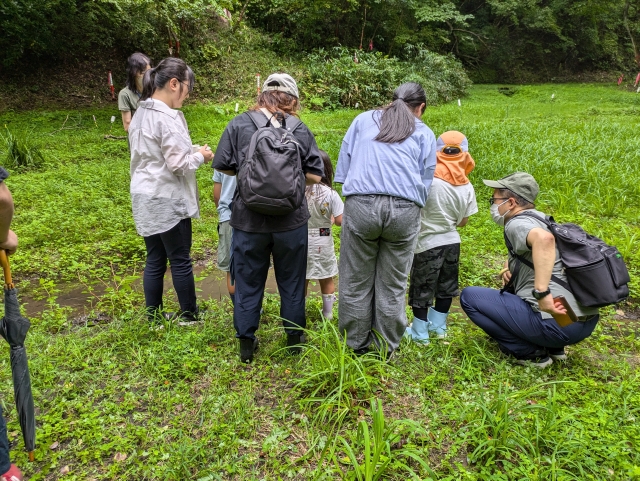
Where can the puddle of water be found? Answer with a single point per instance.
(76, 296)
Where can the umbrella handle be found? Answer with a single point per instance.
(4, 261)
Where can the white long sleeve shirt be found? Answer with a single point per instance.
(163, 169)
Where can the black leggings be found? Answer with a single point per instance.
(174, 245)
(442, 305)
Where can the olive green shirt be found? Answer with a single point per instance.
(128, 101)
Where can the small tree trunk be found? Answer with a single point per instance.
(626, 25)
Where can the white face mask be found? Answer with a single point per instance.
(495, 215)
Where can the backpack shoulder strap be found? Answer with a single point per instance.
(292, 122)
(547, 220)
(258, 119)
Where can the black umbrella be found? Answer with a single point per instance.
(14, 327)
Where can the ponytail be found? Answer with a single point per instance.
(148, 84)
(156, 78)
(398, 120)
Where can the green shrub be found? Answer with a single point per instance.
(333, 78)
(21, 153)
(226, 66)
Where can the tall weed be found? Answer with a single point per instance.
(332, 380)
(20, 152)
(377, 453)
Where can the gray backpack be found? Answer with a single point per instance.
(270, 179)
(596, 273)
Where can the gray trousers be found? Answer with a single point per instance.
(379, 234)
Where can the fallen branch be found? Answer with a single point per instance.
(61, 128)
(115, 137)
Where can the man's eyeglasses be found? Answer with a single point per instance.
(493, 200)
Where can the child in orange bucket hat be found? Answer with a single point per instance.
(434, 273)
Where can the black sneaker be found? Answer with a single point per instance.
(361, 352)
(294, 343)
(247, 349)
(557, 354)
(539, 359)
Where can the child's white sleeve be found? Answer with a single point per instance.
(337, 206)
(472, 206)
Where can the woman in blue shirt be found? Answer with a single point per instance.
(386, 165)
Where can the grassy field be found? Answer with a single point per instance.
(117, 400)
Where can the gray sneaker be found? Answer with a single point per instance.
(557, 354)
(539, 359)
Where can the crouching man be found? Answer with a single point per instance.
(524, 322)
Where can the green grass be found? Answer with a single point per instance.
(116, 400)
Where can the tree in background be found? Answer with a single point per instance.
(497, 40)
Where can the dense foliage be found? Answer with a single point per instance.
(497, 39)
(68, 29)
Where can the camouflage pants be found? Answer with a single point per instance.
(434, 274)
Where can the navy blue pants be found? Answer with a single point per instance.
(174, 245)
(5, 462)
(519, 330)
(250, 266)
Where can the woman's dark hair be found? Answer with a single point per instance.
(398, 120)
(136, 64)
(275, 101)
(170, 67)
(327, 178)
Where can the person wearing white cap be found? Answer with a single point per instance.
(256, 235)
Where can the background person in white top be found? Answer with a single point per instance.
(434, 273)
(164, 193)
(325, 209)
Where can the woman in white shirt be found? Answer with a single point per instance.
(164, 193)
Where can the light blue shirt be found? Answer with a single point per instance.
(226, 195)
(403, 169)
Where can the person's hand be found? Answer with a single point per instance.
(505, 275)
(547, 304)
(207, 153)
(11, 244)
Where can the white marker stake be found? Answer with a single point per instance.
(553, 96)
(237, 107)
(357, 105)
(113, 118)
(459, 103)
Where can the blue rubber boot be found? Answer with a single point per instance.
(437, 323)
(418, 331)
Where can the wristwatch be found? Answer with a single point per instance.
(540, 294)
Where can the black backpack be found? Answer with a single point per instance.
(596, 273)
(270, 179)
